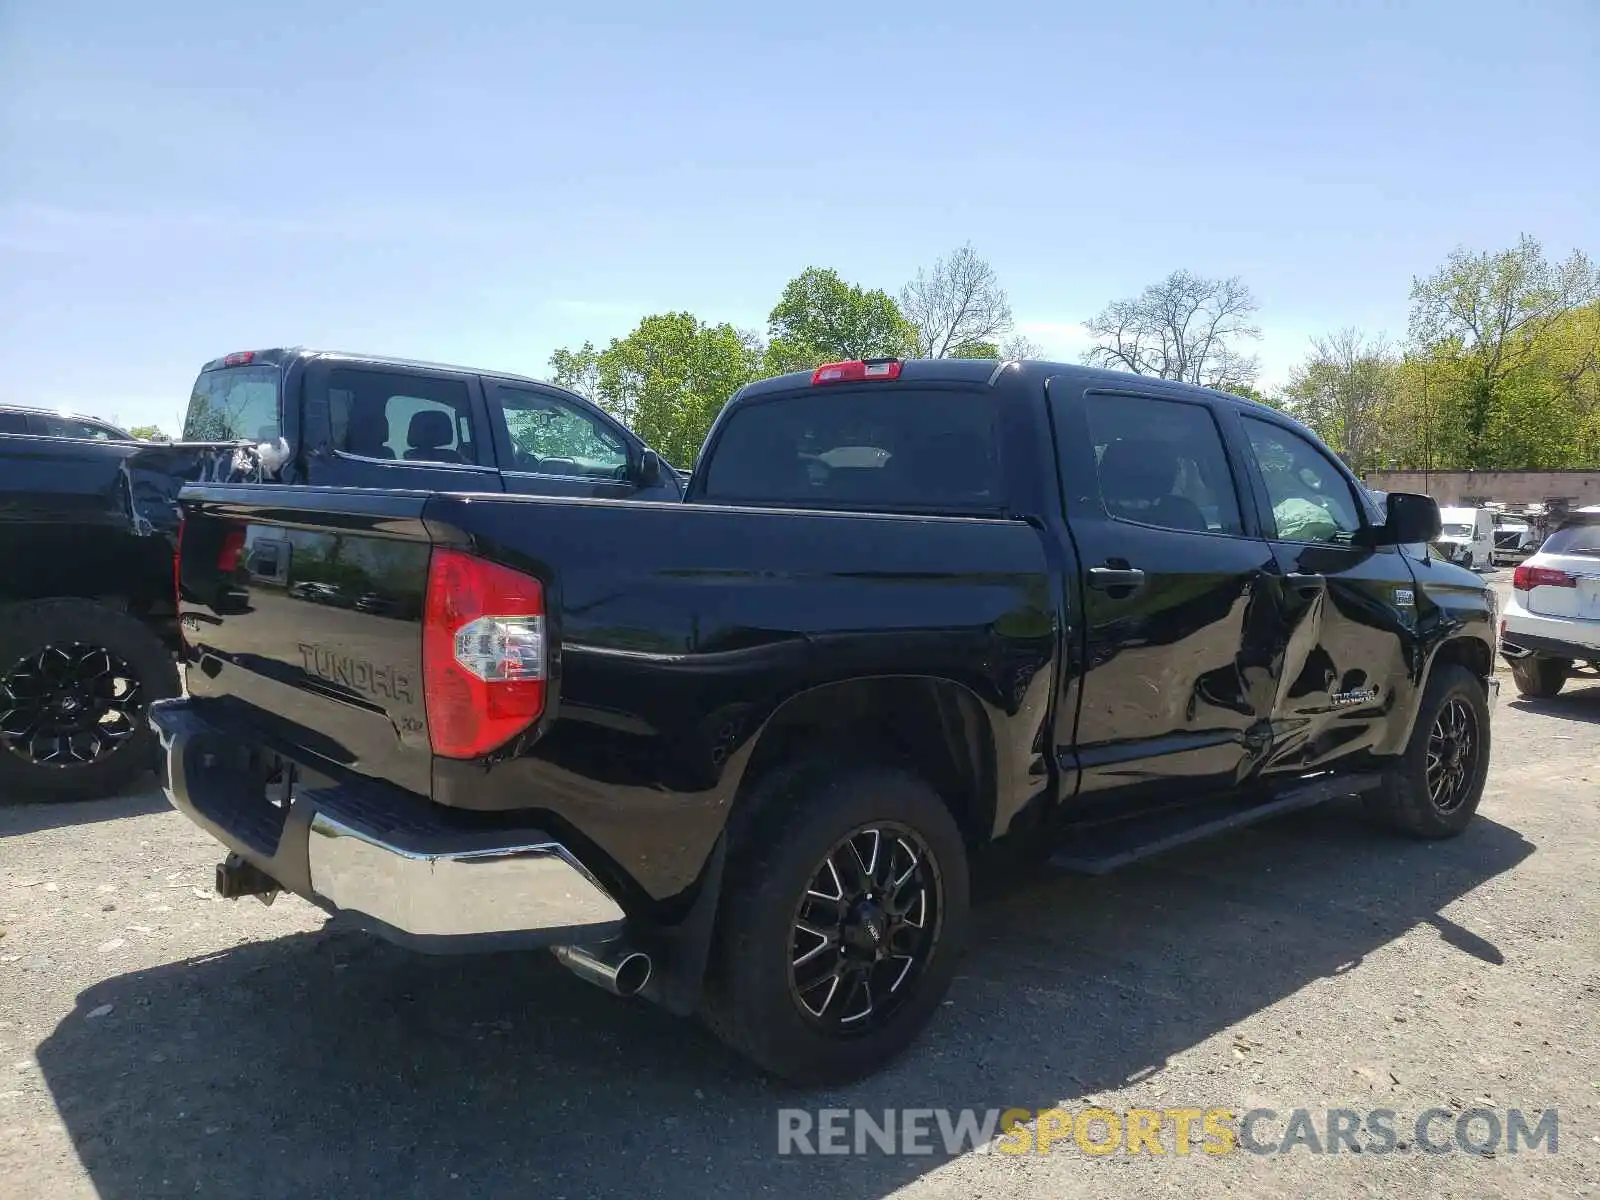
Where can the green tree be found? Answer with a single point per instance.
(821, 318)
(577, 370)
(1484, 316)
(1250, 392)
(666, 380)
(149, 433)
(1344, 391)
(974, 349)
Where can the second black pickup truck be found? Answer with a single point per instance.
(737, 754)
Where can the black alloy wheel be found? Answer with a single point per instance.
(70, 704)
(865, 928)
(842, 917)
(1452, 755)
(1432, 789)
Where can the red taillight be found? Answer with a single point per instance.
(232, 546)
(239, 359)
(1526, 577)
(855, 372)
(483, 654)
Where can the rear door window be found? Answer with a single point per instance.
(234, 404)
(70, 427)
(877, 446)
(1162, 463)
(13, 422)
(396, 415)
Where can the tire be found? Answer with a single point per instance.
(1468, 562)
(1540, 678)
(758, 997)
(1405, 801)
(46, 641)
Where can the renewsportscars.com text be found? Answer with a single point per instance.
(1169, 1131)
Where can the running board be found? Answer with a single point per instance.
(1102, 849)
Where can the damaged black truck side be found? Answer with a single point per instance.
(737, 754)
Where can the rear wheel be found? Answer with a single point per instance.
(1540, 678)
(1433, 789)
(76, 682)
(841, 923)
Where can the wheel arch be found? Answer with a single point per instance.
(1464, 650)
(933, 726)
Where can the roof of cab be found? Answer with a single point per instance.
(281, 355)
(992, 371)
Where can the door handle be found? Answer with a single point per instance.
(1107, 579)
(1307, 585)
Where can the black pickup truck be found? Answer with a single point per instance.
(346, 420)
(736, 754)
(88, 522)
(88, 619)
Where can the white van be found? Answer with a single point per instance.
(1467, 536)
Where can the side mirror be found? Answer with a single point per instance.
(649, 469)
(1412, 518)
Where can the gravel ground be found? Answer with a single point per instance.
(158, 1041)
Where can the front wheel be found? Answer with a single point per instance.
(1540, 678)
(1433, 789)
(841, 923)
(76, 682)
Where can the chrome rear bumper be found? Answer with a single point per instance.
(499, 890)
(416, 873)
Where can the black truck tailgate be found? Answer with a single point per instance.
(302, 608)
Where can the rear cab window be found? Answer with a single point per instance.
(235, 404)
(875, 446)
(1582, 539)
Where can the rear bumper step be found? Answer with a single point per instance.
(1104, 848)
(395, 863)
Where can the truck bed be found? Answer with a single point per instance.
(675, 630)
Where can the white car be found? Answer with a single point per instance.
(1553, 619)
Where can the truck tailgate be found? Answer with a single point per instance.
(302, 607)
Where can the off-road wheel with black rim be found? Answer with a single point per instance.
(1540, 678)
(76, 682)
(1432, 790)
(842, 917)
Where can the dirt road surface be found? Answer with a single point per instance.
(158, 1041)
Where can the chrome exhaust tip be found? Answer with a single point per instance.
(614, 966)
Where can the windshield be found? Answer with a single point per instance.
(234, 404)
(1456, 530)
(922, 448)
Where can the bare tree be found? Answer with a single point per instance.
(1344, 390)
(1021, 347)
(1185, 327)
(959, 303)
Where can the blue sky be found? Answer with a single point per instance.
(483, 182)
